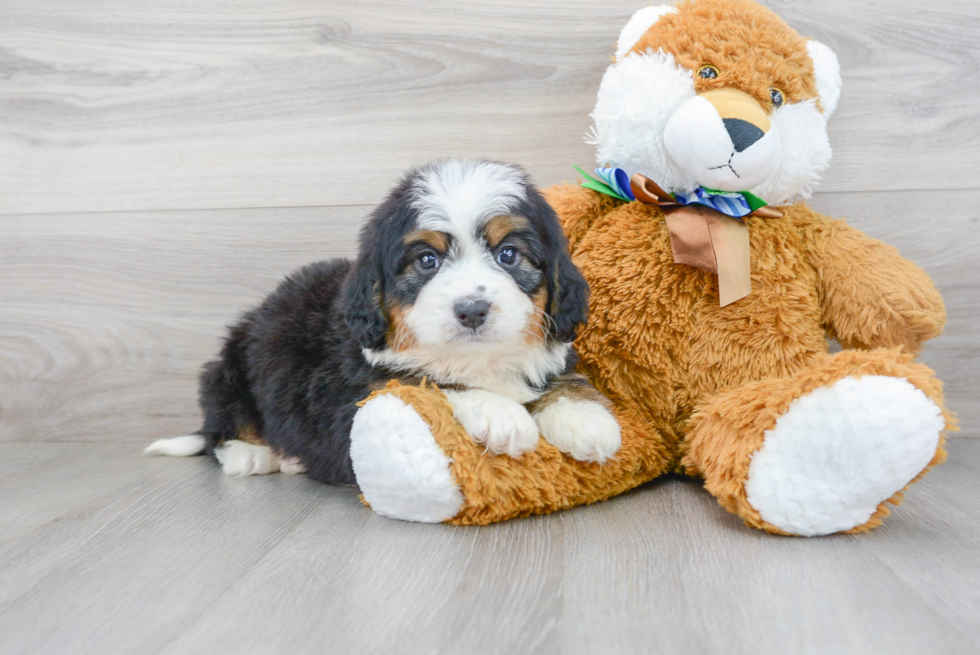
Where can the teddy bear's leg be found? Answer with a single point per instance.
(413, 461)
(824, 450)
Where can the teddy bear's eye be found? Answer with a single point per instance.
(708, 72)
(777, 98)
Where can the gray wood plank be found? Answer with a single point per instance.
(180, 559)
(123, 572)
(108, 317)
(40, 483)
(170, 105)
(690, 578)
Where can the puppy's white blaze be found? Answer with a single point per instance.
(473, 275)
(186, 446)
(240, 459)
(583, 429)
(458, 196)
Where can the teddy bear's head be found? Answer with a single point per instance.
(719, 94)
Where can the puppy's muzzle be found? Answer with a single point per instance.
(471, 313)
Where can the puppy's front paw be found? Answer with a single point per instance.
(586, 430)
(501, 423)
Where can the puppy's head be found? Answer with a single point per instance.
(464, 256)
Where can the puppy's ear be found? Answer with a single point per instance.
(569, 306)
(568, 292)
(362, 304)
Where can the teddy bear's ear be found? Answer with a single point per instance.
(826, 68)
(638, 26)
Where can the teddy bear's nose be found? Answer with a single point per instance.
(742, 133)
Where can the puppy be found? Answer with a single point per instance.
(463, 277)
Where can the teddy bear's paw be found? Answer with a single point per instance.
(401, 470)
(840, 451)
(503, 424)
(585, 430)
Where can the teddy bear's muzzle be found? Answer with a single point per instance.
(724, 139)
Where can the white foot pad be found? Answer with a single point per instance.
(238, 458)
(291, 466)
(400, 469)
(584, 430)
(840, 451)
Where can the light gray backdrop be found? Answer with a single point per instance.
(163, 164)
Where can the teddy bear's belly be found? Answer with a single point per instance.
(658, 342)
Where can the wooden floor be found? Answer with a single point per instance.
(104, 551)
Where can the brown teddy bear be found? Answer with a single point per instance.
(711, 305)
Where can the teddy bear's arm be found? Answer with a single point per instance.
(577, 208)
(871, 296)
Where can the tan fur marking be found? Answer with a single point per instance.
(537, 324)
(250, 434)
(573, 386)
(437, 240)
(499, 227)
(399, 336)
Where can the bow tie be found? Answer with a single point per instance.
(705, 226)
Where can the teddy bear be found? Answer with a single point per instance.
(715, 294)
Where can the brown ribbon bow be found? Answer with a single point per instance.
(706, 238)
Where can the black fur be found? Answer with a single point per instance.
(293, 370)
(568, 292)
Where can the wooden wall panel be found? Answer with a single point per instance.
(248, 103)
(142, 145)
(108, 317)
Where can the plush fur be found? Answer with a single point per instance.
(463, 278)
(746, 396)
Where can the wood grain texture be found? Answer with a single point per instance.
(136, 105)
(174, 557)
(108, 317)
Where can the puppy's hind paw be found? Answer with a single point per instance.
(239, 459)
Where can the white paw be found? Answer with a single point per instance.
(586, 430)
(239, 459)
(400, 469)
(291, 466)
(501, 423)
(840, 451)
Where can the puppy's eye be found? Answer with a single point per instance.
(707, 72)
(777, 98)
(428, 261)
(508, 256)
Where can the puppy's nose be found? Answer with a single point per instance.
(743, 133)
(471, 313)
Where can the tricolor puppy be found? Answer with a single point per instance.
(463, 276)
